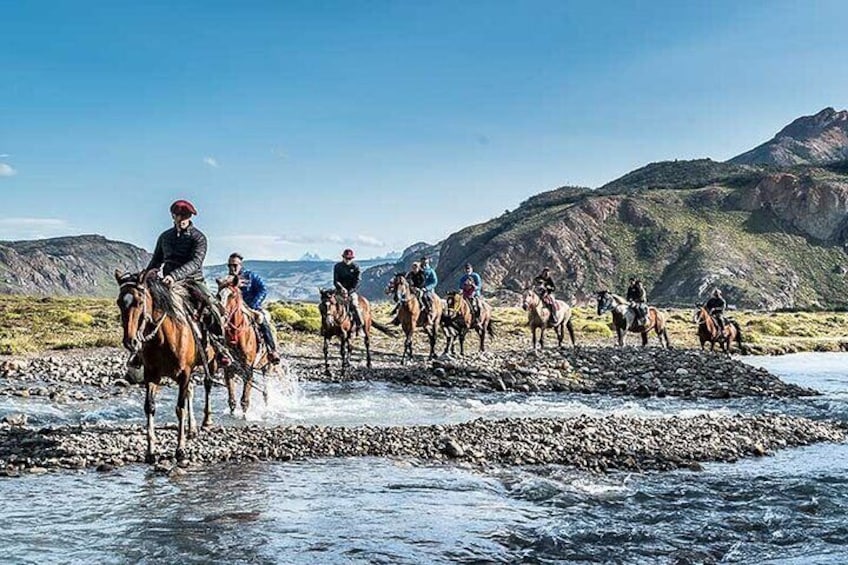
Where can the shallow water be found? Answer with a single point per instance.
(788, 508)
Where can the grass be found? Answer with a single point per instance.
(29, 325)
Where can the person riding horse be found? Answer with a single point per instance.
(346, 277)
(715, 307)
(431, 280)
(545, 287)
(179, 255)
(471, 286)
(638, 298)
(253, 292)
(415, 277)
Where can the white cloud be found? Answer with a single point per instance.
(4, 155)
(7, 170)
(33, 228)
(276, 247)
(211, 161)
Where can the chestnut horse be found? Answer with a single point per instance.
(412, 315)
(458, 320)
(708, 331)
(624, 319)
(539, 317)
(158, 328)
(240, 333)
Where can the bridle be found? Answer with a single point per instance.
(232, 324)
(146, 318)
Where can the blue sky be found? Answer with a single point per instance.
(313, 126)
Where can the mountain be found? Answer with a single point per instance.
(311, 257)
(810, 140)
(771, 238)
(289, 280)
(79, 265)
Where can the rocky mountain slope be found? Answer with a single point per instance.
(810, 140)
(79, 265)
(770, 238)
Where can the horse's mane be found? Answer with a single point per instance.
(618, 298)
(170, 300)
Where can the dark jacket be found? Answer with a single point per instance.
(253, 289)
(416, 279)
(346, 276)
(715, 304)
(636, 293)
(546, 282)
(180, 253)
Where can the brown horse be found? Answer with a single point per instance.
(158, 328)
(241, 335)
(458, 320)
(708, 331)
(412, 315)
(336, 321)
(539, 317)
(624, 319)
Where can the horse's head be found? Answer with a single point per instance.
(132, 302)
(529, 299)
(399, 286)
(700, 315)
(453, 303)
(228, 291)
(605, 301)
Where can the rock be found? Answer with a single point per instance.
(452, 448)
(15, 419)
(681, 372)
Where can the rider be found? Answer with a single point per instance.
(716, 306)
(545, 285)
(179, 254)
(346, 277)
(254, 291)
(638, 298)
(471, 286)
(430, 282)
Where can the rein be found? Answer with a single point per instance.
(146, 316)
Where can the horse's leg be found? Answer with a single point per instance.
(644, 335)
(621, 333)
(569, 325)
(431, 335)
(229, 375)
(207, 403)
(192, 422)
(481, 331)
(343, 353)
(150, 412)
(542, 337)
(367, 338)
(326, 358)
(560, 334)
(245, 391)
(182, 396)
(533, 340)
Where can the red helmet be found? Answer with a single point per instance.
(183, 208)
(347, 254)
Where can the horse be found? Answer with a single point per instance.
(157, 327)
(708, 331)
(412, 315)
(458, 319)
(624, 319)
(240, 333)
(539, 317)
(336, 321)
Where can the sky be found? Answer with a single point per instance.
(313, 126)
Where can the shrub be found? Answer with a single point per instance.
(307, 325)
(284, 315)
(17, 345)
(79, 319)
(599, 329)
(766, 327)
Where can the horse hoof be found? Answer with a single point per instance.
(207, 424)
(150, 459)
(180, 454)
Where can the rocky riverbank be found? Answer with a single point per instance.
(616, 371)
(589, 443)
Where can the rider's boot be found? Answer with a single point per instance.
(273, 356)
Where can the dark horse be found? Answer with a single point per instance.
(624, 319)
(458, 320)
(336, 321)
(241, 335)
(158, 328)
(539, 318)
(412, 315)
(708, 331)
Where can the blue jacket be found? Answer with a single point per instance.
(253, 289)
(475, 278)
(430, 279)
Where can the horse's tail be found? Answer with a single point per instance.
(738, 333)
(490, 328)
(384, 329)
